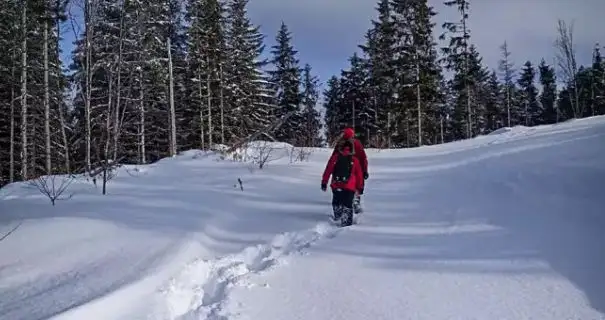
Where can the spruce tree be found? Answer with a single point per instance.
(548, 96)
(531, 112)
(286, 78)
(243, 74)
(332, 100)
(310, 116)
(457, 56)
(378, 54)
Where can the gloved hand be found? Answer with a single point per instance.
(324, 187)
(365, 176)
(360, 191)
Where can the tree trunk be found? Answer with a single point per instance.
(88, 84)
(117, 123)
(418, 104)
(24, 113)
(11, 164)
(202, 133)
(47, 101)
(172, 109)
(208, 84)
(222, 107)
(66, 148)
(142, 149)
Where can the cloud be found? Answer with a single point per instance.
(327, 32)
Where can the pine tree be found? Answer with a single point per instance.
(379, 52)
(332, 100)
(206, 59)
(548, 96)
(597, 83)
(243, 75)
(529, 92)
(457, 56)
(496, 110)
(286, 77)
(310, 115)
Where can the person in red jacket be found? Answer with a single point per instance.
(348, 136)
(347, 180)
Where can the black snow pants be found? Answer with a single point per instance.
(342, 205)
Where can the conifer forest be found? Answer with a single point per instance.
(149, 79)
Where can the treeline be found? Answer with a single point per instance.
(396, 94)
(148, 79)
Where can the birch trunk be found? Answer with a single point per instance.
(47, 102)
(222, 107)
(172, 109)
(24, 113)
(208, 83)
(142, 149)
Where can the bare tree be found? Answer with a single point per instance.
(53, 189)
(566, 58)
(506, 67)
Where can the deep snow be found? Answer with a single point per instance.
(504, 226)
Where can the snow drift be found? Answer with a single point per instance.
(507, 225)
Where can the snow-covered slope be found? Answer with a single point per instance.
(504, 226)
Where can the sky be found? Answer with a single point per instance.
(327, 32)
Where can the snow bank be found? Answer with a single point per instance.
(502, 226)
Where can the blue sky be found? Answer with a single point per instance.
(327, 32)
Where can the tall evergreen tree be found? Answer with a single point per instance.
(286, 77)
(529, 93)
(379, 51)
(243, 74)
(548, 96)
(457, 56)
(332, 101)
(310, 116)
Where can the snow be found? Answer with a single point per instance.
(503, 226)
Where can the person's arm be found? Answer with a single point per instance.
(329, 169)
(358, 175)
(362, 156)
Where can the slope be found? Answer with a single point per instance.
(502, 226)
(507, 226)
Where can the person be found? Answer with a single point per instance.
(347, 180)
(348, 136)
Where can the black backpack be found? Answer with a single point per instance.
(343, 168)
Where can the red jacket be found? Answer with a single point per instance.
(355, 182)
(359, 153)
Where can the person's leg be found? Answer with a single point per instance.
(337, 204)
(348, 197)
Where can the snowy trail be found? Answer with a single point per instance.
(505, 226)
(518, 236)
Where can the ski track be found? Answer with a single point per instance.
(202, 288)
